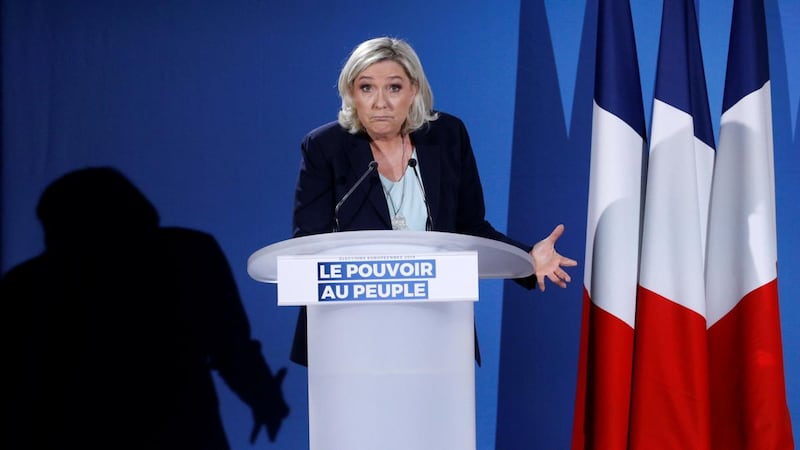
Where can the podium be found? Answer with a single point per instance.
(390, 332)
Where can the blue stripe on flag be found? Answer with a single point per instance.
(748, 64)
(617, 88)
(679, 57)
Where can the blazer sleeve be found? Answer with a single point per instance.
(314, 195)
(471, 209)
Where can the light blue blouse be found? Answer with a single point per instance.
(405, 198)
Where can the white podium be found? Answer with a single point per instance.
(390, 332)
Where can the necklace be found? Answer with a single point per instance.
(398, 220)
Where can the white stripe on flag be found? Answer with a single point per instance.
(742, 254)
(615, 185)
(678, 186)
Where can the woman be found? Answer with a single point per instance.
(426, 176)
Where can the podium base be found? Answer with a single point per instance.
(392, 376)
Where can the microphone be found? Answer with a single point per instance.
(429, 222)
(370, 168)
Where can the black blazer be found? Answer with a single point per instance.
(333, 160)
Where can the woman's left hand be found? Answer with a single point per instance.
(547, 262)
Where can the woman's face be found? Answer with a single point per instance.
(382, 94)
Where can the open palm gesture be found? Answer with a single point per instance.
(548, 263)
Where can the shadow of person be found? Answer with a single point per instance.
(111, 334)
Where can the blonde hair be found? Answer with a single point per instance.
(385, 49)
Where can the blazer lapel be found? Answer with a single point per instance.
(430, 160)
(360, 155)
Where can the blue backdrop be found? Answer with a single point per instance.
(203, 103)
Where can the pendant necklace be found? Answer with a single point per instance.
(398, 220)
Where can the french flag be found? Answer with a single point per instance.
(748, 398)
(670, 387)
(612, 241)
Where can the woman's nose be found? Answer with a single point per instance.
(380, 99)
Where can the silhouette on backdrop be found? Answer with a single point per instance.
(111, 334)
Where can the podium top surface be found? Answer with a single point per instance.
(495, 259)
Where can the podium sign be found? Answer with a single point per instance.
(308, 280)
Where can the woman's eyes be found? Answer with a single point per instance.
(369, 88)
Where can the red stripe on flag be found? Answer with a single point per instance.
(602, 407)
(669, 404)
(748, 396)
